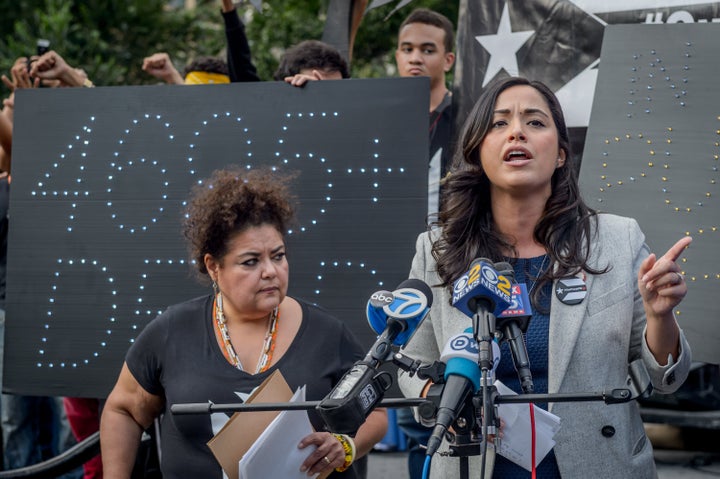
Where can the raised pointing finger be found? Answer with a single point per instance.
(676, 250)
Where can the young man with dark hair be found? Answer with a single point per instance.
(311, 60)
(424, 48)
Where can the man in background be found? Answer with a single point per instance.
(424, 48)
(311, 60)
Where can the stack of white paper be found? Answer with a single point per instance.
(275, 453)
(517, 436)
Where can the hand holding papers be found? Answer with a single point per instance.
(244, 430)
(275, 453)
(245, 427)
(517, 437)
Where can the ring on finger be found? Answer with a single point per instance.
(327, 461)
(680, 277)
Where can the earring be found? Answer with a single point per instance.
(218, 298)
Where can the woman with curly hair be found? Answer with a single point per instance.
(222, 345)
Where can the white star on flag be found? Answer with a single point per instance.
(500, 45)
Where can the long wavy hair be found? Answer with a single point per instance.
(467, 227)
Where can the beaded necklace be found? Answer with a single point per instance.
(221, 331)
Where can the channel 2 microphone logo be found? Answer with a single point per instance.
(487, 276)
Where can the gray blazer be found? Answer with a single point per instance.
(591, 346)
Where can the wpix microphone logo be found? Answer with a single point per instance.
(408, 302)
(464, 343)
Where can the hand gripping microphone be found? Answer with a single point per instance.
(513, 322)
(462, 378)
(393, 314)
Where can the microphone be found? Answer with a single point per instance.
(401, 311)
(395, 315)
(462, 378)
(482, 294)
(481, 288)
(520, 309)
(513, 322)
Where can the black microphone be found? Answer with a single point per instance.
(462, 378)
(357, 393)
(510, 327)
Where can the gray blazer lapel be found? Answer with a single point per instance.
(565, 323)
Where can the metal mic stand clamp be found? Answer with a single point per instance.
(435, 372)
(465, 439)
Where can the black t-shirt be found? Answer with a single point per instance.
(440, 133)
(441, 150)
(177, 356)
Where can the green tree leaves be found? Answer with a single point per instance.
(110, 38)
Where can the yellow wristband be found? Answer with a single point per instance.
(349, 447)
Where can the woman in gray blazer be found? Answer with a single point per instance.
(513, 196)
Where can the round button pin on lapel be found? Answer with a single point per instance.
(571, 290)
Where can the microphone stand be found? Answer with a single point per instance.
(483, 330)
(614, 396)
(467, 423)
(466, 443)
(209, 408)
(465, 426)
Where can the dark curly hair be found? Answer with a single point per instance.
(311, 54)
(207, 64)
(230, 201)
(468, 229)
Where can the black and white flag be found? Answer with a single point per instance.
(555, 41)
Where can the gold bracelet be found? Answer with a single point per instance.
(348, 446)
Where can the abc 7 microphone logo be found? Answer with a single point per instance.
(464, 343)
(382, 298)
(406, 303)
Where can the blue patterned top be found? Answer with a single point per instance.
(527, 270)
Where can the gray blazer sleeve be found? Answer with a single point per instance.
(422, 345)
(665, 379)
